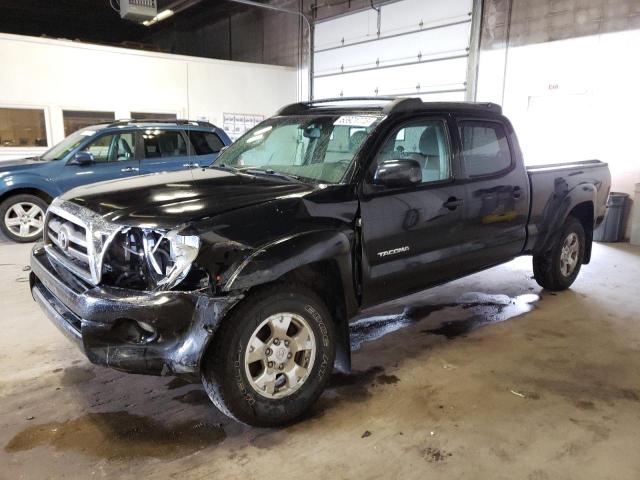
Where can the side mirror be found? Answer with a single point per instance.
(82, 158)
(398, 173)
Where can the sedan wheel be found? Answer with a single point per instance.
(24, 219)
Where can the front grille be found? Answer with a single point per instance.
(76, 238)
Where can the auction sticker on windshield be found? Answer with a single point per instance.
(356, 120)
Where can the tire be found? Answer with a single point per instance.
(232, 380)
(553, 270)
(22, 217)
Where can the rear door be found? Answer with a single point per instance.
(411, 236)
(163, 150)
(496, 191)
(114, 156)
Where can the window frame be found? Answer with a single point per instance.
(371, 189)
(463, 167)
(47, 126)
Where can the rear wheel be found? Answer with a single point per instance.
(272, 357)
(22, 217)
(558, 268)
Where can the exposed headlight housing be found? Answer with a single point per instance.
(169, 256)
(149, 259)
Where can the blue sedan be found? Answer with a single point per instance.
(94, 154)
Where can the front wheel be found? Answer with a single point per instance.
(271, 358)
(22, 217)
(558, 268)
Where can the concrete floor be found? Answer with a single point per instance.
(547, 388)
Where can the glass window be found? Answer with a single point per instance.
(112, 148)
(205, 143)
(163, 143)
(22, 127)
(153, 116)
(316, 148)
(485, 148)
(424, 141)
(75, 119)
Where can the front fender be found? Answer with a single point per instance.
(22, 181)
(274, 260)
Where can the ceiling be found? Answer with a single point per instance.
(96, 21)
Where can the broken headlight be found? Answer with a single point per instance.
(149, 259)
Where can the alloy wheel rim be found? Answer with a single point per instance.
(569, 254)
(280, 355)
(24, 219)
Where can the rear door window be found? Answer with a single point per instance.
(485, 148)
(205, 143)
(157, 143)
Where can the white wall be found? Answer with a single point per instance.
(572, 100)
(61, 74)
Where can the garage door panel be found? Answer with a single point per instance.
(411, 15)
(436, 76)
(345, 30)
(425, 45)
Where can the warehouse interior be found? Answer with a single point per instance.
(487, 376)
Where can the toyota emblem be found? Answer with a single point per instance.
(63, 240)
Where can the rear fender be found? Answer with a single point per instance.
(558, 208)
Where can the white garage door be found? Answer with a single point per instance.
(408, 47)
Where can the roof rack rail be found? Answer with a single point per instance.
(127, 121)
(299, 107)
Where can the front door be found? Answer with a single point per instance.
(411, 236)
(114, 156)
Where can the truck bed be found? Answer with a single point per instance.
(554, 187)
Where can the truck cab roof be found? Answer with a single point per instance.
(384, 105)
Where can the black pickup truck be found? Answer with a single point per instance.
(244, 275)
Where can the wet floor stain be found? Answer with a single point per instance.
(476, 310)
(194, 397)
(387, 379)
(119, 436)
(76, 375)
(177, 383)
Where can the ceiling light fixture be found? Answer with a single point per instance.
(159, 17)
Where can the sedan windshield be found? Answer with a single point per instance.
(60, 150)
(313, 148)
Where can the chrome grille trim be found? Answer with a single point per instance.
(87, 238)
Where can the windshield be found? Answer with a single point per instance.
(60, 150)
(315, 148)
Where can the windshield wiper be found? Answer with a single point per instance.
(272, 173)
(222, 166)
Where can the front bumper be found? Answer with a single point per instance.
(100, 320)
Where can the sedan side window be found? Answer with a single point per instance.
(205, 143)
(163, 143)
(99, 148)
(424, 141)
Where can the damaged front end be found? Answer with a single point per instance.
(131, 297)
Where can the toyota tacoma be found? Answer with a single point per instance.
(245, 275)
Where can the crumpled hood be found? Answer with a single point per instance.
(175, 198)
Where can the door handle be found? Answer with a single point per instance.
(517, 192)
(452, 203)
(129, 169)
